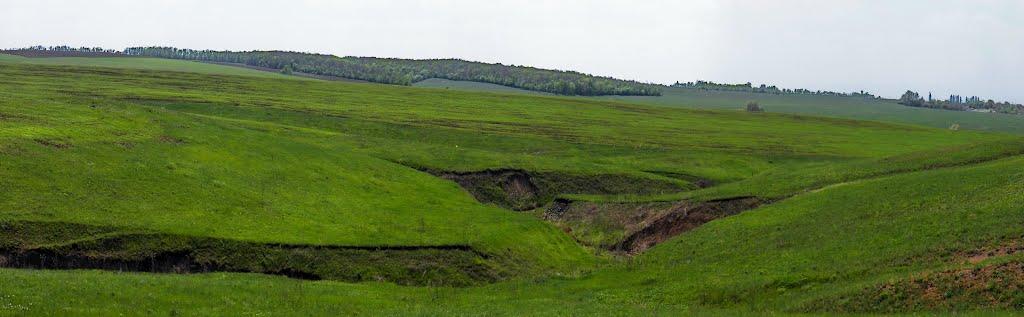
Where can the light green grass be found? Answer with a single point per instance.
(112, 162)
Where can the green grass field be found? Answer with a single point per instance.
(827, 106)
(840, 107)
(131, 157)
(144, 63)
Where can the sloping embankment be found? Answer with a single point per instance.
(38, 245)
(522, 190)
(684, 216)
(634, 227)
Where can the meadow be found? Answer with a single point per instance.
(133, 157)
(858, 108)
(144, 63)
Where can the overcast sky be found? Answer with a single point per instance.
(966, 47)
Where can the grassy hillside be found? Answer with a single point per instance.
(788, 257)
(840, 107)
(297, 177)
(74, 155)
(828, 106)
(472, 86)
(144, 63)
(399, 71)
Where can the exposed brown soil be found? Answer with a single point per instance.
(41, 53)
(557, 209)
(125, 144)
(171, 140)
(682, 217)
(508, 188)
(600, 225)
(603, 225)
(634, 227)
(998, 286)
(57, 144)
(1006, 248)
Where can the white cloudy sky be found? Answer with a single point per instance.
(968, 47)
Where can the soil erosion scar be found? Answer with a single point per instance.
(86, 247)
(684, 217)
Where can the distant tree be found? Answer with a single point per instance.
(912, 99)
(287, 69)
(753, 106)
(407, 71)
(763, 88)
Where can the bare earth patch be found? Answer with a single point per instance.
(634, 227)
(57, 144)
(998, 286)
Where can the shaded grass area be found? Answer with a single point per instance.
(521, 190)
(43, 245)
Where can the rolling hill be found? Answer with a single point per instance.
(358, 198)
(848, 107)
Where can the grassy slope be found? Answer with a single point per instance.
(230, 126)
(104, 161)
(474, 86)
(839, 107)
(145, 63)
(828, 106)
(776, 258)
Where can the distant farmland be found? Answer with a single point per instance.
(859, 108)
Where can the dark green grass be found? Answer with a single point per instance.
(54, 245)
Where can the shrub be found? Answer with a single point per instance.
(753, 106)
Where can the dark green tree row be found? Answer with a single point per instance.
(406, 71)
(765, 89)
(958, 103)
